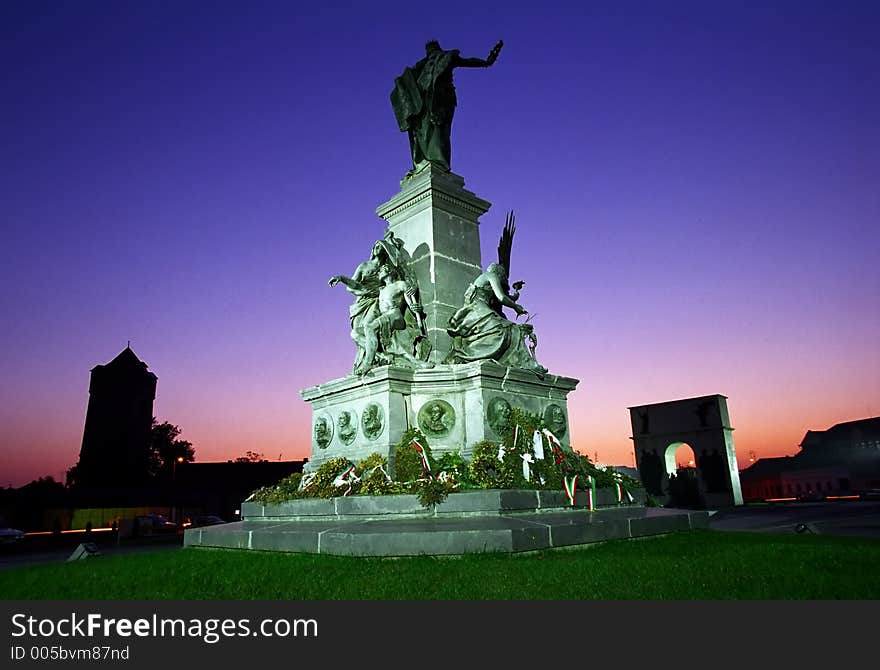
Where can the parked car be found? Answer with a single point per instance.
(205, 520)
(11, 536)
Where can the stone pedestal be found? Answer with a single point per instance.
(438, 221)
(455, 406)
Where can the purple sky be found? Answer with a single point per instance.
(696, 188)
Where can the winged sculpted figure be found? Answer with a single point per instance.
(480, 330)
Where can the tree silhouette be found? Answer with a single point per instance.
(43, 486)
(250, 457)
(166, 448)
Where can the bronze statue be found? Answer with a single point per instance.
(381, 328)
(481, 331)
(399, 337)
(424, 102)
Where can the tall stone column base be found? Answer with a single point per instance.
(410, 398)
(438, 221)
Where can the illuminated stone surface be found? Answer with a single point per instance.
(468, 522)
(401, 394)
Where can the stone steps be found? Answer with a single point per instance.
(467, 522)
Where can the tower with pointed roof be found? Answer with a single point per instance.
(115, 449)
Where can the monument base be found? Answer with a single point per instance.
(466, 522)
(455, 406)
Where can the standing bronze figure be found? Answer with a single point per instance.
(424, 103)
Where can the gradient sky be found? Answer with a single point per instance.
(696, 188)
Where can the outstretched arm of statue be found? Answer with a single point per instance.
(479, 62)
(348, 281)
(493, 55)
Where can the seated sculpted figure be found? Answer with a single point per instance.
(480, 331)
(384, 329)
(366, 285)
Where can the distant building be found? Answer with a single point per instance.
(115, 449)
(843, 460)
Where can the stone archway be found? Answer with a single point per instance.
(703, 424)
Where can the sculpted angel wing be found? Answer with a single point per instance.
(505, 244)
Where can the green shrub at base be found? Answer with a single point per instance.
(451, 472)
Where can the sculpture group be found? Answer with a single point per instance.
(388, 327)
(387, 323)
(442, 342)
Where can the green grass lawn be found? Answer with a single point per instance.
(689, 566)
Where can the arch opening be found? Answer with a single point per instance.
(679, 456)
(683, 485)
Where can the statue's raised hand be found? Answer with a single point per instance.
(334, 280)
(493, 55)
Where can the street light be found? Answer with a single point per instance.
(177, 460)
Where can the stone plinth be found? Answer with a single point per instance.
(455, 406)
(466, 522)
(438, 221)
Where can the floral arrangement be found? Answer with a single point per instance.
(528, 456)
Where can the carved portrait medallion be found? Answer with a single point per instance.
(554, 419)
(436, 418)
(498, 414)
(373, 421)
(323, 430)
(346, 427)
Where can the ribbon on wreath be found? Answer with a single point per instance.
(552, 438)
(422, 452)
(500, 452)
(527, 459)
(570, 485)
(380, 469)
(515, 435)
(620, 491)
(538, 445)
(591, 493)
(306, 481)
(346, 477)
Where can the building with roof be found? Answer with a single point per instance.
(115, 449)
(842, 460)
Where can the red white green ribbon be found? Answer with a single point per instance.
(620, 491)
(552, 438)
(591, 493)
(570, 484)
(346, 477)
(426, 465)
(515, 435)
